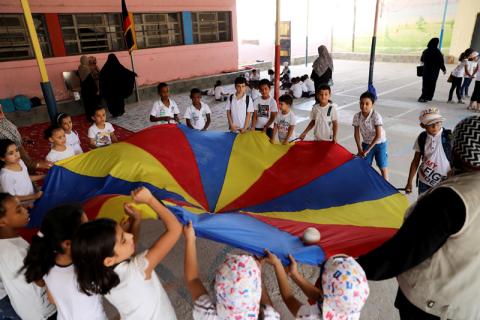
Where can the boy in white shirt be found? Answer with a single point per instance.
(285, 121)
(265, 110)
(239, 107)
(29, 301)
(255, 76)
(218, 92)
(254, 92)
(164, 110)
(296, 88)
(323, 117)
(101, 132)
(197, 112)
(308, 86)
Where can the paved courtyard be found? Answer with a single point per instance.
(398, 89)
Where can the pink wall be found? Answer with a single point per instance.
(151, 65)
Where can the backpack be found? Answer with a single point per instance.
(247, 102)
(447, 139)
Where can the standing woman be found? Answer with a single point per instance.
(88, 87)
(322, 68)
(95, 72)
(116, 84)
(432, 60)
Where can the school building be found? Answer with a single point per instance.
(191, 38)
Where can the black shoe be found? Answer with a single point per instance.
(422, 100)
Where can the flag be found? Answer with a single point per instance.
(128, 28)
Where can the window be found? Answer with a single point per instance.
(158, 29)
(15, 40)
(89, 33)
(211, 27)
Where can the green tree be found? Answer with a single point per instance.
(421, 23)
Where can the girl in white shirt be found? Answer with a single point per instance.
(14, 177)
(49, 262)
(73, 141)
(457, 76)
(103, 255)
(58, 140)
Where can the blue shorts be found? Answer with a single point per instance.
(6, 310)
(379, 151)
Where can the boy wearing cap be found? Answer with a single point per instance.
(342, 296)
(432, 152)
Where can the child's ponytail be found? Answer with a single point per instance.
(59, 224)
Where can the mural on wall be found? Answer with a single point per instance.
(404, 26)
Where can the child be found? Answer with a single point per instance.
(197, 112)
(475, 99)
(308, 86)
(285, 121)
(265, 110)
(433, 147)
(56, 136)
(164, 110)
(254, 92)
(469, 74)
(296, 88)
(343, 293)
(271, 75)
(457, 76)
(14, 177)
(323, 117)
(239, 291)
(65, 122)
(28, 300)
(255, 76)
(103, 256)
(239, 107)
(101, 132)
(369, 124)
(285, 71)
(49, 260)
(218, 92)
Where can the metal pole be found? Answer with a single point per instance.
(442, 30)
(44, 84)
(277, 51)
(354, 24)
(374, 42)
(133, 69)
(306, 33)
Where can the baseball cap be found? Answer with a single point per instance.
(430, 116)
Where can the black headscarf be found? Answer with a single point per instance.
(115, 79)
(432, 57)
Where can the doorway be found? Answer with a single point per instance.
(285, 42)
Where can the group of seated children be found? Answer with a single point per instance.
(302, 87)
(75, 262)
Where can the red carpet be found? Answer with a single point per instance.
(38, 147)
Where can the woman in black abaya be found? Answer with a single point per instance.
(432, 60)
(116, 84)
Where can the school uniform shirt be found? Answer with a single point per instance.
(74, 141)
(137, 298)
(264, 108)
(28, 300)
(471, 65)
(367, 126)
(435, 165)
(297, 90)
(323, 130)
(101, 136)
(54, 155)
(197, 117)
(255, 94)
(310, 85)
(161, 110)
(255, 77)
(309, 312)
(17, 183)
(238, 108)
(205, 309)
(70, 302)
(284, 121)
(218, 92)
(459, 70)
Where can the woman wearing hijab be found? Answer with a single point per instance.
(116, 84)
(432, 60)
(322, 67)
(88, 88)
(94, 71)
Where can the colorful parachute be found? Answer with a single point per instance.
(237, 189)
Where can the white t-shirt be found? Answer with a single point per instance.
(74, 141)
(297, 90)
(435, 165)
(284, 121)
(323, 130)
(459, 70)
(28, 300)
(239, 109)
(197, 117)
(471, 65)
(137, 298)
(101, 136)
(161, 110)
(264, 108)
(309, 312)
(55, 155)
(205, 309)
(17, 183)
(71, 303)
(367, 126)
(255, 94)
(310, 85)
(255, 77)
(218, 92)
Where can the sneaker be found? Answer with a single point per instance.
(449, 101)
(461, 102)
(467, 96)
